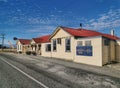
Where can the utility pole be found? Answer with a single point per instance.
(3, 37)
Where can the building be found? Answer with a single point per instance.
(23, 45)
(77, 45)
(41, 45)
(83, 46)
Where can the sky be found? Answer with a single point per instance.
(33, 18)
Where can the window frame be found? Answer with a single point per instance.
(39, 46)
(68, 40)
(58, 40)
(79, 43)
(106, 42)
(88, 43)
(48, 47)
(19, 47)
(54, 45)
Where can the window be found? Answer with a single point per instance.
(67, 45)
(48, 47)
(87, 43)
(59, 41)
(32, 47)
(106, 42)
(35, 47)
(79, 43)
(39, 46)
(19, 47)
(54, 45)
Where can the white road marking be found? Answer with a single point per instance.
(25, 73)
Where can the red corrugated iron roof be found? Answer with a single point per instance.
(81, 32)
(37, 40)
(87, 33)
(24, 41)
(42, 39)
(111, 36)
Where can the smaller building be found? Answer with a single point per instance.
(41, 45)
(23, 45)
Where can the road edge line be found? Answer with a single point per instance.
(27, 75)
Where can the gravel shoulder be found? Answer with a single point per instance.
(84, 75)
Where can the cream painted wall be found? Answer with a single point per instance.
(43, 50)
(60, 52)
(38, 51)
(108, 52)
(23, 48)
(118, 50)
(19, 46)
(96, 59)
(112, 50)
(105, 51)
(105, 55)
(32, 42)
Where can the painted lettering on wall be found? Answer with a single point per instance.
(84, 50)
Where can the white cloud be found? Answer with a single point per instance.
(41, 29)
(4, 0)
(106, 20)
(33, 21)
(92, 20)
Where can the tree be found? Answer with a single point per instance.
(0, 46)
(15, 38)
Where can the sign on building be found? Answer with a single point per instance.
(84, 50)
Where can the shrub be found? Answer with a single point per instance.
(28, 52)
(20, 52)
(34, 53)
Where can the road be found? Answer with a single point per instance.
(16, 75)
(22, 71)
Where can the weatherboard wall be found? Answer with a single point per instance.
(96, 57)
(108, 51)
(118, 51)
(43, 50)
(19, 46)
(33, 43)
(61, 51)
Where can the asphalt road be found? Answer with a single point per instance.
(11, 78)
(21, 71)
(16, 75)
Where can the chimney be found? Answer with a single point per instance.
(112, 32)
(81, 25)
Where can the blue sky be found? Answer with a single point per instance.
(33, 18)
